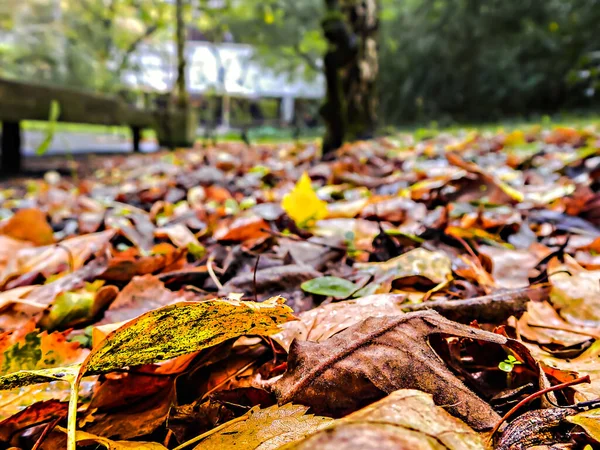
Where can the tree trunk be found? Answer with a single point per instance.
(181, 85)
(351, 68)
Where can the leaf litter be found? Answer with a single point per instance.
(436, 284)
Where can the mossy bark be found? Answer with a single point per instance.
(351, 69)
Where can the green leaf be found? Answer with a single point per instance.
(52, 119)
(330, 286)
(505, 367)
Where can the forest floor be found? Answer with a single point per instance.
(424, 290)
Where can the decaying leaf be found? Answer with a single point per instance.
(141, 294)
(404, 420)
(575, 292)
(266, 429)
(378, 356)
(325, 321)
(589, 421)
(433, 266)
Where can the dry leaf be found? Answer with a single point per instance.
(321, 323)
(29, 225)
(265, 429)
(575, 292)
(378, 356)
(404, 420)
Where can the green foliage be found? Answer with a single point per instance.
(52, 120)
(472, 59)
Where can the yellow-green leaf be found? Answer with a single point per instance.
(265, 429)
(182, 328)
(28, 377)
(302, 204)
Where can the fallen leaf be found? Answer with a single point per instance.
(404, 420)
(70, 254)
(330, 286)
(424, 264)
(265, 429)
(38, 413)
(29, 225)
(378, 356)
(321, 323)
(243, 229)
(141, 294)
(511, 267)
(539, 315)
(589, 421)
(575, 292)
(302, 204)
(166, 333)
(8, 248)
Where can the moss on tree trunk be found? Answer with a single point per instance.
(351, 68)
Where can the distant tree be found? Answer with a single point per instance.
(351, 70)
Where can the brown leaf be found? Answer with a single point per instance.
(377, 357)
(40, 412)
(124, 268)
(325, 321)
(542, 324)
(29, 225)
(70, 254)
(404, 420)
(242, 229)
(136, 418)
(142, 294)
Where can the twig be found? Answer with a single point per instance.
(211, 272)
(254, 279)
(47, 430)
(585, 379)
(70, 259)
(214, 430)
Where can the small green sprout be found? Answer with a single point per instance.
(509, 364)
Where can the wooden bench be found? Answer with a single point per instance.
(27, 101)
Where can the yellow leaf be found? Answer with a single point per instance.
(302, 204)
(266, 429)
(515, 138)
(589, 421)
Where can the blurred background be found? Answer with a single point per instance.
(259, 64)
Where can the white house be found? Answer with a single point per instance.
(226, 70)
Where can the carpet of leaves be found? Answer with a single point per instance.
(435, 284)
